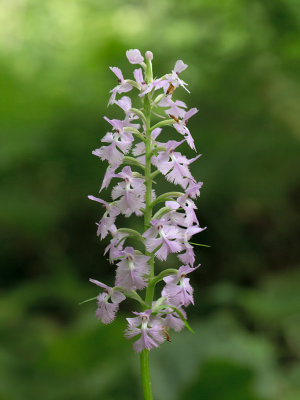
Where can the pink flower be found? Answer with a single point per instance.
(134, 56)
(173, 80)
(175, 107)
(174, 165)
(132, 270)
(145, 88)
(178, 290)
(108, 218)
(111, 152)
(180, 117)
(109, 174)
(139, 150)
(192, 191)
(131, 193)
(172, 320)
(121, 88)
(116, 244)
(188, 206)
(106, 310)
(167, 240)
(125, 104)
(188, 257)
(181, 127)
(150, 329)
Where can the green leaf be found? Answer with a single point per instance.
(161, 212)
(132, 233)
(199, 244)
(165, 197)
(133, 161)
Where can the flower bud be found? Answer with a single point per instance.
(149, 55)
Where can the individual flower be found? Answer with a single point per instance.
(172, 81)
(132, 270)
(178, 290)
(123, 86)
(134, 56)
(126, 105)
(188, 207)
(172, 319)
(192, 191)
(139, 149)
(174, 217)
(149, 328)
(119, 126)
(180, 125)
(106, 310)
(131, 193)
(109, 174)
(166, 243)
(175, 110)
(173, 107)
(111, 152)
(145, 87)
(115, 247)
(108, 218)
(188, 257)
(174, 165)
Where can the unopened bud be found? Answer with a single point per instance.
(149, 55)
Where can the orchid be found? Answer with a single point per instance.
(150, 329)
(136, 154)
(178, 290)
(106, 310)
(133, 270)
(121, 88)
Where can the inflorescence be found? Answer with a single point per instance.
(133, 144)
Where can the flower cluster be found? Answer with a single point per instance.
(136, 154)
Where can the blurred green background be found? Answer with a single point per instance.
(244, 64)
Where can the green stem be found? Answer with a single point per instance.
(166, 196)
(133, 161)
(163, 123)
(155, 173)
(144, 357)
(145, 373)
(132, 233)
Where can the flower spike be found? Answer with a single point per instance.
(137, 154)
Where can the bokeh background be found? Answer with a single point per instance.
(244, 64)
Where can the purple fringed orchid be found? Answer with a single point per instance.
(121, 88)
(108, 219)
(178, 290)
(172, 80)
(166, 242)
(150, 329)
(134, 56)
(139, 156)
(106, 310)
(174, 165)
(130, 193)
(132, 271)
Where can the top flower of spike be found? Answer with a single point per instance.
(136, 154)
(134, 56)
